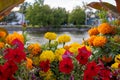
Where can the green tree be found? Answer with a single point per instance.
(60, 16)
(77, 16)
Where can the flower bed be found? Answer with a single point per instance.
(96, 58)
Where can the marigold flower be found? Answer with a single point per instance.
(1, 45)
(29, 63)
(115, 65)
(47, 75)
(50, 35)
(34, 48)
(99, 41)
(36, 60)
(66, 65)
(13, 36)
(90, 40)
(117, 58)
(47, 55)
(2, 34)
(93, 31)
(64, 38)
(116, 38)
(58, 53)
(105, 28)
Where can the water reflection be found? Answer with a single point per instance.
(75, 37)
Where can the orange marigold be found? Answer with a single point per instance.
(99, 41)
(13, 36)
(90, 40)
(29, 63)
(34, 48)
(105, 28)
(2, 34)
(93, 31)
(1, 45)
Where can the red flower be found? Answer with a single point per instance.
(93, 68)
(16, 55)
(83, 55)
(105, 74)
(82, 58)
(84, 51)
(45, 65)
(66, 65)
(87, 75)
(18, 44)
(10, 68)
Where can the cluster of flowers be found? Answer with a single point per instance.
(97, 58)
(11, 54)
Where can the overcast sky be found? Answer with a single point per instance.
(69, 4)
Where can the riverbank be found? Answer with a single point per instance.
(48, 28)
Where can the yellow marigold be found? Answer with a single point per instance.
(116, 38)
(58, 53)
(105, 28)
(34, 48)
(117, 58)
(2, 34)
(36, 60)
(67, 47)
(90, 40)
(47, 55)
(99, 41)
(115, 65)
(50, 35)
(1, 45)
(48, 75)
(29, 63)
(64, 38)
(93, 31)
(13, 36)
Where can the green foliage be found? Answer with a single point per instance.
(77, 16)
(60, 16)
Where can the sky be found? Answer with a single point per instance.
(68, 4)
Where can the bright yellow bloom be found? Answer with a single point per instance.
(105, 28)
(90, 40)
(93, 31)
(1, 45)
(13, 36)
(47, 75)
(34, 49)
(47, 55)
(29, 63)
(58, 53)
(99, 41)
(50, 35)
(64, 38)
(117, 58)
(2, 34)
(115, 65)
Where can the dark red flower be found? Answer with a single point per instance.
(10, 68)
(84, 51)
(45, 65)
(82, 58)
(16, 55)
(93, 68)
(18, 44)
(87, 75)
(105, 74)
(66, 65)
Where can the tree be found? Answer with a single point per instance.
(60, 16)
(77, 16)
